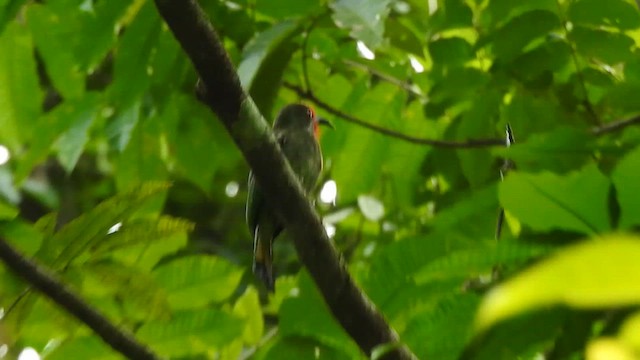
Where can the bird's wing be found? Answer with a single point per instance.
(255, 202)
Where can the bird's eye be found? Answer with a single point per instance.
(311, 114)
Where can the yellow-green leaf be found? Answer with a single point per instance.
(593, 274)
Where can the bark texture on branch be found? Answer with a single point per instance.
(220, 89)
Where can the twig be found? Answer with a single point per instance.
(467, 144)
(615, 126)
(220, 90)
(41, 279)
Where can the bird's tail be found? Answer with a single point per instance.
(262, 264)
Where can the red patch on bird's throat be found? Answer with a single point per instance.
(312, 116)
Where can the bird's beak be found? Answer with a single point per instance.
(325, 122)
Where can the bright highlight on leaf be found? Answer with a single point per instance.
(364, 51)
(232, 188)
(594, 274)
(416, 65)
(329, 192)
(4, 155)
(29, 353)
(371, 208)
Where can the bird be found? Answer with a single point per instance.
(296, 128)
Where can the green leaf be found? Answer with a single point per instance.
(247, 307)
(513, 37)
(296, 319)
(20, 94)
(142, 232)
(199, 147)
(535, 331)
(51, 35)
(478, 122)
(8, 10)
(630, 331)
(99, 29)
(450, 51)
(452, 14)
(72, 142)
(371, 208)
(618, 13)
(501, 11)
(296, 347)
(131, 75)
(23, 235)
(577, 201)
(458, 83)
(7, 211)
(559, 151)
(477, 261)
(361, 146)
(82, 232)
(91, 346)
(552, 55)
(626, 179)
(51, 127)
(609, 47)
(286, 8)
(446, 327)
(264, 60)
(257, 50)
(195, 281)
(140, 161)
(191, 332)
(599, 272)
(131, 286)
(364, 18)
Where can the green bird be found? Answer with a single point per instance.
(297, 129)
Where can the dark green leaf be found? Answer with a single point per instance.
(603, 45)
(446, 327)
(450, 51)
(512, 38)
(617, 13)
(287, 8)
(627, 182)
(559, 151)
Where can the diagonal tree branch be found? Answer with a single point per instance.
(220, 89)
(40, 278)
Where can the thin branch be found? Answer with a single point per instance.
(220, 90)
(615, 126)
(467, 144)
(42, 279)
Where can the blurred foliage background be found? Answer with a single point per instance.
(118, 179)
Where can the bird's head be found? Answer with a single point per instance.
(300, 117)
